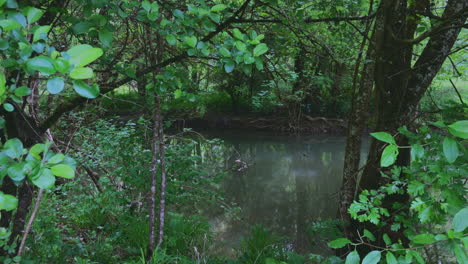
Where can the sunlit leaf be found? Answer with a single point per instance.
(44, 179)
(55, 85)
(423, 239)
(64, 171)
(389, 155)
(460, 221)
(85, 90)
(450, 148)
(218, 8)
(459, 129)
(339, 243)
(81, 73)
(43, 64)
(372, 258)
(33, 14)
(353, 258)
(384, 136)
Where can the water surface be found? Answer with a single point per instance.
(281, 182)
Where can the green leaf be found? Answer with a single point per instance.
(417, 152)
(62, 65)
(423, 239)
(218, 8)
(225, 52)
(369, 235)
(460, 254)
(82, 27)
(55, 85)
(339, 243)
(37, 149)
(372, 258)
(2, 84)
(146, 5)
(440, 237)
(450, 148)
(171, 39)
(8, 202)
(83, 55)
(238, 34)
(384, 136)
(85, 90)
(465, 241)
(33, 14)
(16, 171)
(229, 66)
(44, 179)
(41, 33)
(43, 64)
(240, 46)
(417, 257)
(76, 51)
(57, 158)
(13, 148)
(105, 36)
(177, 94)
(4, 44)
(22, 91)
(64, 171)
(387, 239)
(8, 107)
(81, 73)
(438, 124)
(248, 59)
(260, 49)
(9, 24)
(460, 221)
(153, 14)
(389, 155)
(459, 129)
(353, 258)
(191, 41)
(391, 258)
(259, 64)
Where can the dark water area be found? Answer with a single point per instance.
(281, 182)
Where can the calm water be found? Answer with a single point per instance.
(283, 183)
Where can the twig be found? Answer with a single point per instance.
(31, 219)
(456, 90)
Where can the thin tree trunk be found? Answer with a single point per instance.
(154, 183)
(162, 156)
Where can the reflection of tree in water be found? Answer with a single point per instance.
(317, 180)
(289, 184)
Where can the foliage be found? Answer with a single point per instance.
(435, 182)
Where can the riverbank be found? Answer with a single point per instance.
(277, 124)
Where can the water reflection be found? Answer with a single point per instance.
(288, 183)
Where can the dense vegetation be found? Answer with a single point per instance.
(98, 163)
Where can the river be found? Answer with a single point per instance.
(284, 183)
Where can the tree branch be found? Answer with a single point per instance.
(76, 101)
(307, 20)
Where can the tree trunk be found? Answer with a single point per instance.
(399, 86)
(357, 123)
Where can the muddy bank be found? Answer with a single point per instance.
(282, 125)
